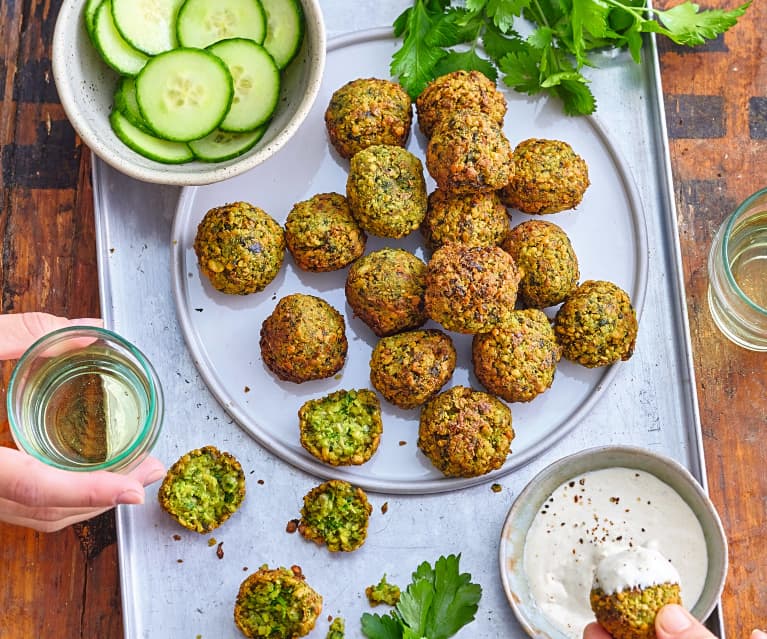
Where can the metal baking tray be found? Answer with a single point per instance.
(175, 584)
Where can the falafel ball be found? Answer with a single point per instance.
(546, 260)
(476, 218)
(303, 339)
(342, 428)
(465, 432)
(630, 587)
(239, 247)
(548, 177)
(368, 111)
(409, 368)
(385, 289)
(471, 289)
(336, 514)
(322, 235)
(386, 190)
(457, 91)
(517, 362)
(597, 325)
(276, 603)
(202, 489)
(469, 151)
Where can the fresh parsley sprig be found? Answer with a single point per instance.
(438, 37)
(437, 604)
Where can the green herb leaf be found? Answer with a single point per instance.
(686, 24)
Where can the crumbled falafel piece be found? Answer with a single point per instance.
(411, 367)
(386, 190)
(385, 289)
(368, 111)
(473, 218)
(549, 176)
(240, 248)
(202, 489)
(597, 325)
(276, 603)
(342, 428)
(467, 152)
(304, 338)
(465, 432)
(630, 614)
(517, 362)
(546, 260)
(336, 514)
(383, 592)
(322, 234)
(337, 629)
(457, 91)
(471, 289)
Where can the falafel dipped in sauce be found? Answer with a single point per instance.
(630, 587)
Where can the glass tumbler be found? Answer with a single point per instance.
(737, 269)
(84, 398)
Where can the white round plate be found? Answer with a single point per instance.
(222, 331)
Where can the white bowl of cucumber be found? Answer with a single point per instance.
(187, 92)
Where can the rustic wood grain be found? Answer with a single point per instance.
(66, 584)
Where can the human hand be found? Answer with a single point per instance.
(45, 498)
(672, 622)
(18, 331)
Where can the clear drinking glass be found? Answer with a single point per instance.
(737, 269)
(84, 398)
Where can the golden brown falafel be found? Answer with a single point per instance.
(385, 289)
(336, 514)
(465, 432)
(239, 247)
(304, 338)
(548, 177)
(322, 234)
(368, 111)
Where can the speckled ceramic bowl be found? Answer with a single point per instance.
(86, 86)
(530, 501)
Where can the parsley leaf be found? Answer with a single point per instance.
(437, 604)
(438, 38)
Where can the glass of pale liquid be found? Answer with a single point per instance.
(84, 398)
(737, 269)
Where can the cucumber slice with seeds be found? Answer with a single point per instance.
(115, 51)
(147, 25)
(284, 29)
(184, 94)
(148, 145)
(256, 83)
(201, 23)
(222, 145)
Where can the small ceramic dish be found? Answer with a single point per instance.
(538, 497)
(86, 87)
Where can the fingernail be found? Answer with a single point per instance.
(674, 619)
(130, 497)
(758, 634)
(154, 476)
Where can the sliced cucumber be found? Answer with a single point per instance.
(147, 25)
(90, 15)
(127, 104)
(184, 94)
(284, 29)
(200, 23)
(148, 145)
(222, 145)
(115, 51)
(256, 83)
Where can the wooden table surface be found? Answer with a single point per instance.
(66, 584)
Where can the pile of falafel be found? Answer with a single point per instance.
(483, 277)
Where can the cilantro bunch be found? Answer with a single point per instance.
(438, 38)
(436, 605)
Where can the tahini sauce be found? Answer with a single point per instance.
(600, 513)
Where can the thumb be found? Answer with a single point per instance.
(674, 622)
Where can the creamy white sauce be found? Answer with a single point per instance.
(598, 514)
(637, 567)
